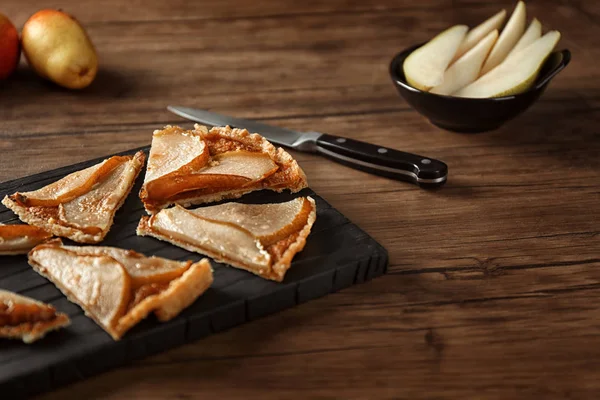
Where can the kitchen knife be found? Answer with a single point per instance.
(424, 171)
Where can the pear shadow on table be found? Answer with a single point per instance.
(110, 84)
(25, 86)
(243, 341)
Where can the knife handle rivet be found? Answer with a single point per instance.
(381, 150)
(426, 161)
(340, 140)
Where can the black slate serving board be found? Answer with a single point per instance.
(337, 254)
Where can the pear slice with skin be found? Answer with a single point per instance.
(267, 222)
(467, 68)
(222, 241)
(142, 270)
(533, 33)
(516, 74)
(509, 37)
(482, 30)
(233, 169)
(27, 319)
(19, 239)
(72, 185)
(100, 285)
(424, 68)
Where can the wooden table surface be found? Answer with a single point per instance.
(493, 288)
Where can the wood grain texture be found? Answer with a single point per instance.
(493, 284)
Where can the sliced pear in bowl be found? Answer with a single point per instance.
(482, 30)
(466, 69)
(533, 33)
(424, 68)
(509, 37)
(516, 74)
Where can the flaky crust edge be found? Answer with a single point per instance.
(284, 263)
(180, 294)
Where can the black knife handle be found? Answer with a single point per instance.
(383, 161)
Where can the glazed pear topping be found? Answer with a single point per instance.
(226, 240)
(253, 166)
(267, 222)
(94, 208)
(71, 186)
(27, 319)
(174, 149)
(16, 238)
(141, 269)
(98, 284)
(13, 314)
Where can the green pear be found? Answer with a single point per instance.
(466, 69)
(58, 48)
(509, 37)
(424, 68)
(514, 75)
(475, 35)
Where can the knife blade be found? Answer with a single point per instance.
(378, 160)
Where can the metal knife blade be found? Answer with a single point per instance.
(303, 141)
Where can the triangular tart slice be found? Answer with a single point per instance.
(19, 239)
(81, 206)
(27, 319)
(260, 238)
(118, 288)
(188, 167)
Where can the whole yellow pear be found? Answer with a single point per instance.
(57, 47)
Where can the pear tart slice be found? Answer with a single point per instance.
(19, 239)
(81, 206)
(202, 166)
(27, 319)
(260, 238)
(118, 288)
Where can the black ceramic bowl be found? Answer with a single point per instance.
(461, 114)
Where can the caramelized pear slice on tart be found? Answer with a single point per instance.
(19, 239)
(27, 319)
